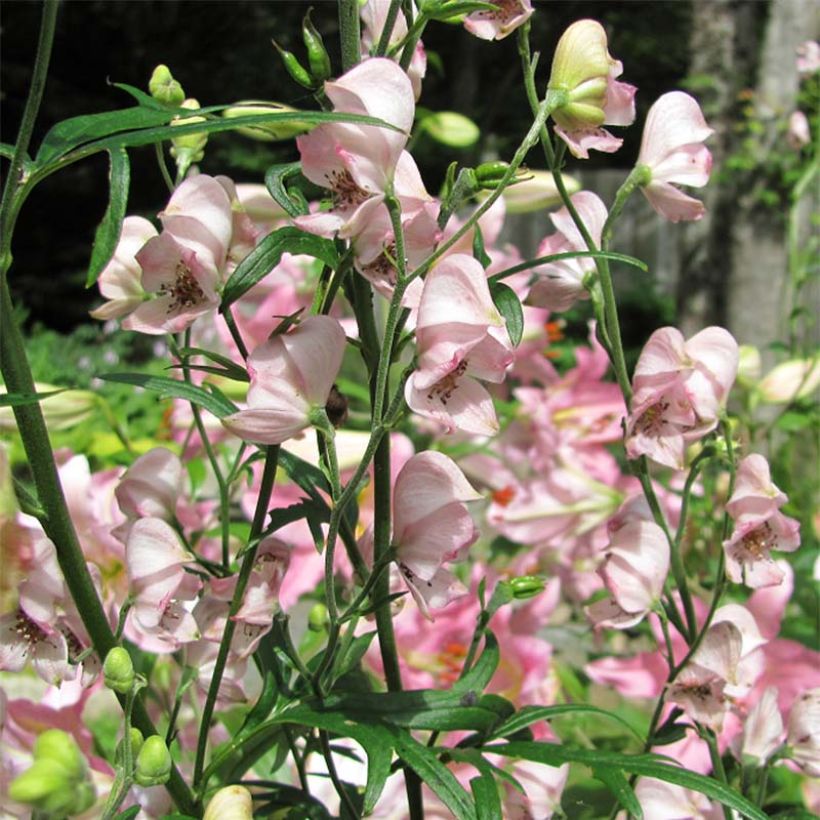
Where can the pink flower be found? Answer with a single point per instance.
(672, 151)
(679, 387)
(759, 526)
(460, 335)
(763, 729)
(291, 376)
(804, 732)
(151, 485)
(584, 72)
(808, 58)
(431, 525)
(505, 18)
(561, 283)
(665, 801)
(799, 131)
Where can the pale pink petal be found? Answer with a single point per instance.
(580, 143)
(672, 204)
(664, 353)
(266, 426)
(468, 407)
(440, 536)
(674, 120)
(619, 108)
(316, 348)
(434, 593)
(499, 23)
(716, 350)
(151, 485)
(153, 547)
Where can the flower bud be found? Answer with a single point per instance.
(535, 192)
(452, 129)
(46, 786)
(526, 586)
(62, 411)
(153, 762)
(748, 365)
(318, 59)
(266, 132)
(230, 803)
(292, 65)
(317, 619)
(59, 746)
(136, 744)
(189, 148)
(118, 670)
(790, 380)
(164, 88)
(489, 174)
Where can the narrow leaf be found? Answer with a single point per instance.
(212, 401)
(484, 668)
(275, 180)
(509, 306)
(109, 229)
(615, 781)
(267, 255)
(532, 714)
(21, 399)
(557, 257)
(487, 798)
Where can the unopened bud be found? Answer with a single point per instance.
(318, 58)
(153, 762)
(136, 744)
(188, 148)
(230, 803)
(292, 65)
(451, 128)
(59, 746)
(268, 131)
(790, 380)
(748, 365)
(164, 88)
(526, 586)
(118, 670)
(317, 619)
(62, 411)
(536, 191)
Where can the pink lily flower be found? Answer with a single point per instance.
(291, 376)
(431, 525)
(504, 19)
(679, 387)
(460, 335)
(759, 526)
(561, 283)
(586, 73)
(672, 153)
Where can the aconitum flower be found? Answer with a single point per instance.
(584, 71)
(762, 729)
(803, 735)
(672, 153)
(561, 283)
(431, 525)
(759, 526)
(460, 335)
(497, 23)
(679, 387)
(291, 377)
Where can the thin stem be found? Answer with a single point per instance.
(262, 503)
(717, 765)
(349, 33)
(163, 168)
(387, 31)
(227, 315)
(327, 753)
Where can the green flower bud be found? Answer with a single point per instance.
(118, 670)
(45, 785)
(526, 586)
(188, 148)
(230, 803)
(61, 411)
(153, 762)
(266, 132)
(452, 129)
(136, 744)
(317, 618)
(292, 65)
(164, 88)
(318, 59)
(536, 191)
(60, 747)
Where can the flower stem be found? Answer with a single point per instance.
(349, 34)
(387, 31)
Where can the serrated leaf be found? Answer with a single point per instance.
(487, 798)
(213, 401)
(615, 781)
(108, 231)
(22, 399)
(275, 180)
(267, 255)
(509, 306)
(555, 754)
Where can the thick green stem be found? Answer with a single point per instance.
(262, 503)
(387, 31)
(349, 33)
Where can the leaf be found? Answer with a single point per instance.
(213, 401)
(484, 668)
(275, 179)
(238, 373)
(434, 773)
(22, 399)
(532, 714)
(308, 508)
(304, 475)
(267, 255)
(554, 754)
(615, 781)
(108, 231)
(557, 257)
(487, 799)
(351, 660)
(509, 306)
(478, 248)
(6, 150)
(130, 814)
(144, 100)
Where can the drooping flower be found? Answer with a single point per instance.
(585, 73)
(672, 153)
(497, 23)
(291, 376)
(461, 337)
(679, 387)
(561, 283)
(803, 734)
(759, 526)
(431, 526)
(762, 729)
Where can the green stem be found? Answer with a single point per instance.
(717, 765)
(227, 315)
(262, 503)
(163, 168)
(349, 33)
(327, 753)
(387, 31)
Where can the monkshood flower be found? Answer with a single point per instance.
(585, 73)
(759, 526)
(762, 730)
(461, 337)
(431, 525)
(672, 153)
(804, 732)
(291, 378)
(358, 162)
(497, 23)
(679, 387)
(561, 283)
(666, 801)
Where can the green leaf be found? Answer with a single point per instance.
(434, 773)
(144, 100)
(304, 475)
(6, 150)
(487, 799)
(211, 400)
(238, 373)
(267, 255)
(509, 306)
(71, 133)
(22, 399)
(109, 229)
(351, 660)
(130, 814)
(478, 248)
(528, 715)
(555, 754)
(296, 512)
(615, 781)
(275, 180)
(558, 257)
(484, 668)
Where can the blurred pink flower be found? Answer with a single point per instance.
(799, 131)
(504, 19)
(672, 153)
(804, 732)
